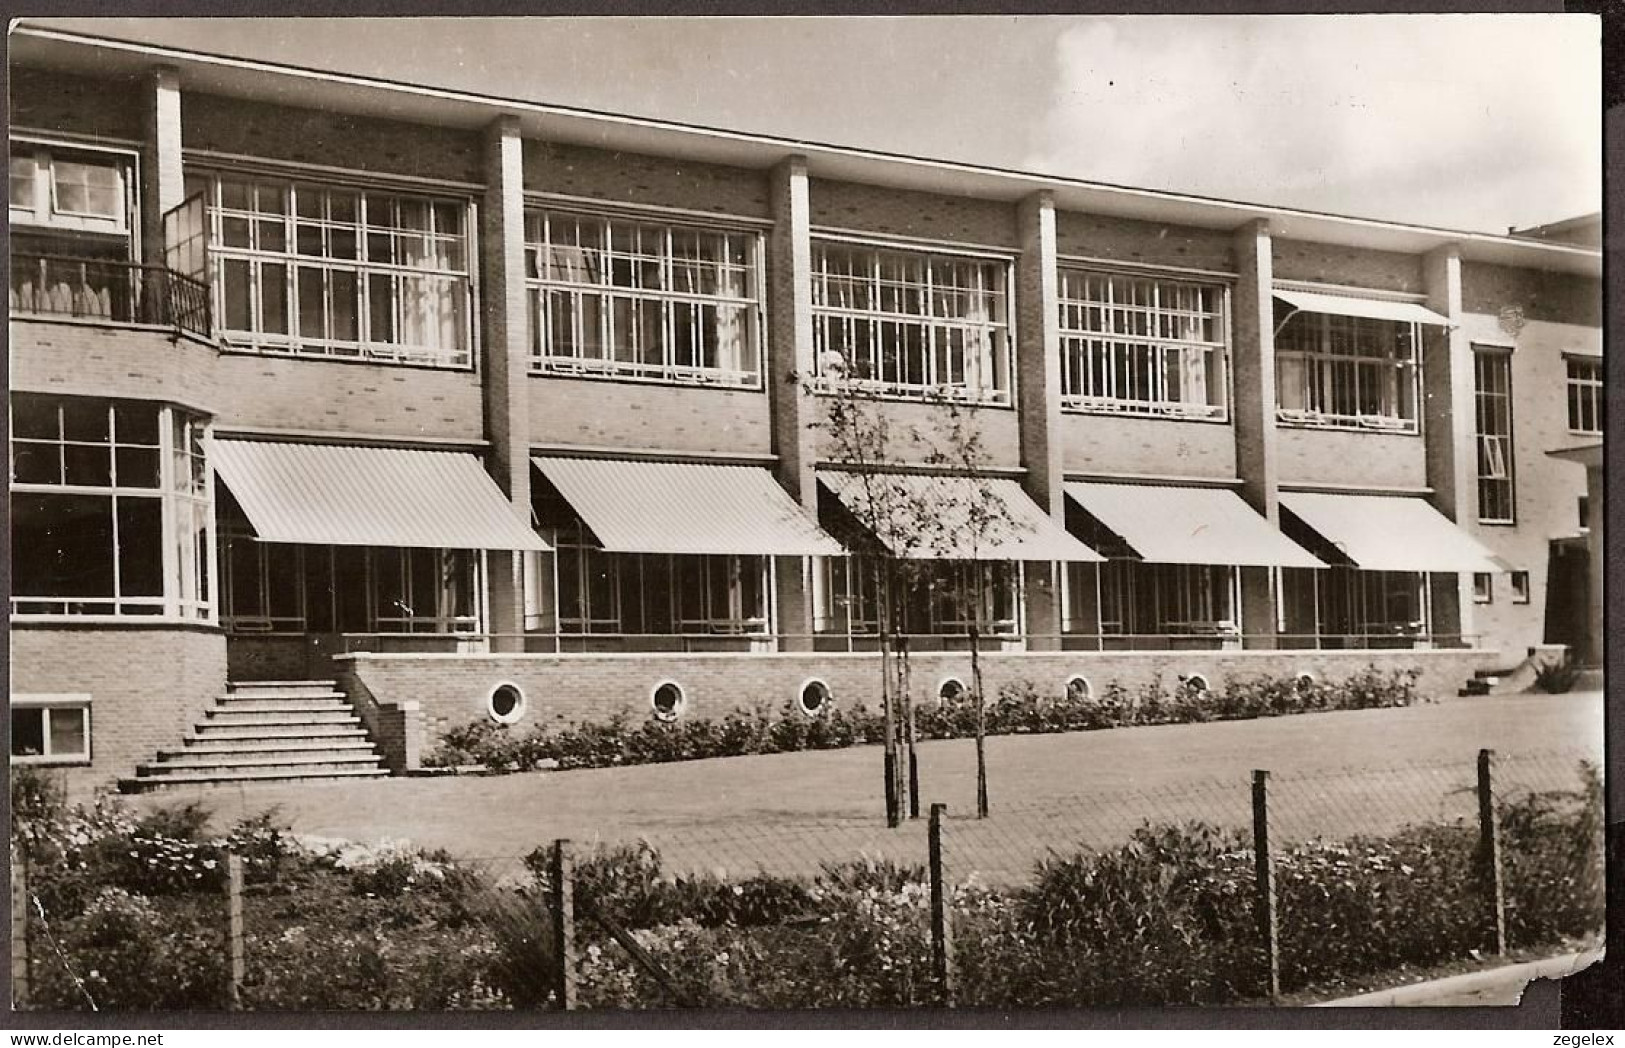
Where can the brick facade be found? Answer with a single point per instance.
(147, 685)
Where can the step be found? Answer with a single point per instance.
(293, 730)
(218, 715)
(282, 702)
(240, 685)
(316, 759)
(288, 744)
(190, 778)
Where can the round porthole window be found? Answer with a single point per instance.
(1305, 682)
(952, 689)
(668, 700)
(1195, 685)
(506, 703)
(1078, 689)
(814, 698)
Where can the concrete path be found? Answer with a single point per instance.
(1493, 986)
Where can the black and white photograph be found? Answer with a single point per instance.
(677, 515)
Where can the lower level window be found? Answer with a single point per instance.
(659, 594)
(50, 729)
(1483, 588)
(931, 598)
(1346, 607)
(1139, 599)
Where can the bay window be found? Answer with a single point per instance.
(112, 509)
(334, 271)
(1334, 370)
(911, 324)
(615, 297)
(1142, 345)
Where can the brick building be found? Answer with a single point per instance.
(481, 408)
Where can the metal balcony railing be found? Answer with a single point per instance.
(107, 289)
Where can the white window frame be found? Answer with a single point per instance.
(189, 496)
(364, 270)
(835, 308)
(599, 285)
(1520, 593)
(1097, 335)
(1483, 587)
(45, 214)
(48, 707)
(1493, 408)
(1585, 394)
(1323, 366)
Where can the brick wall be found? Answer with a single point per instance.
(1129, 240)
(1556, 297)
(47, 100)
(915, 426)
(1347, 457)
(369, 399)
(1119, 444)
(647, 415)
(96, 360)
(552, 167)
(451, 690)
(1546, 490)
(148, 685)
(313, 136)
(1349, 266)
(901, 212)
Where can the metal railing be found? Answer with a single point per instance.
(108, 289)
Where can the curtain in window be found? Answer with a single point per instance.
(730, 327)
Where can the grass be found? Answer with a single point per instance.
(1365, 771)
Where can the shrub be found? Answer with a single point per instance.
(1557, 676)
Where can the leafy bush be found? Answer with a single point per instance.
(1019, 707)
(1557, 676)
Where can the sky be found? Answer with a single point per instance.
(1470, 122)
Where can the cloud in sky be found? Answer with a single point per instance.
(1462, 121)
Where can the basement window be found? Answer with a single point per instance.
(814, 698)
(668, 700)
(50, 729)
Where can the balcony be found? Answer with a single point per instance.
(108, 290)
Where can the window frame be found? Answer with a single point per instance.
(48, 705)
(1483, 587)
(1584, 394)
(1519, 582)
(288, 224)
(934, 351)
(1495, 447)
(1319, 364)
(1079, 344)
(188, 496)
(45, 215)
(541, 293)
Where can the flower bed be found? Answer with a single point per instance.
(1019, 708)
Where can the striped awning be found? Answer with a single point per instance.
(1390, 532)
(1350, 306)
(1189, 525)
(344, 495)
(635, 506)
(932, 517)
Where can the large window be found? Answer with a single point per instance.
(1333, 370)
(286, 588)
(1585, 395)
(332, 271)
(1142, 345)
(657, 594)
(904, 323)
(112, 510)
(935, 598)
(1492, 395)
(1158, 601)
(617, 297)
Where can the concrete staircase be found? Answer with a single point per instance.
(267, 731)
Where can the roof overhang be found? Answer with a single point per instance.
(32, 45)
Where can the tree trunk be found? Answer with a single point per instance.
(893, 811)
(905, 692)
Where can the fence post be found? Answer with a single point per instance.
(942, 928)
(234, 932)
(19, 931)
(1489, 843)
(561, 896)
(1264, 885)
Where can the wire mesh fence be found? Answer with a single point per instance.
(1219, 890)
